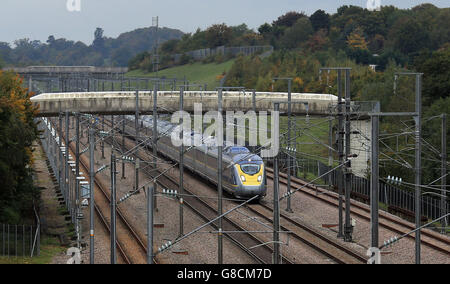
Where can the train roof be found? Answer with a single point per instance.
(231, 152)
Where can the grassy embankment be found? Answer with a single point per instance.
(197, 73)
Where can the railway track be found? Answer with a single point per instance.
(244, 240)
(131, 248)
(327, 246)
(261, 253)
(430, 239)
(306, 235)
(105, 223)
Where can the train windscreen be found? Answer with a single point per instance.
(250, 169)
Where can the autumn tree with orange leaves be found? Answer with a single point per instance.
(17, 133)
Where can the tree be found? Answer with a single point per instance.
(356, 40)
(135, 62)
(170, 46)
(298, 34)
(440, 33)
(240, 30)
(372, 24)
(17, 133)
(432, 133)
(218, 35)
(408, 35)
(288, 19)
(436, 69)
(376, 44)
(5, 53)
(51, 40)
(265, 29)
(27, 50)
(318, 41)
(320, 20)
(121, 56)
(99, 40)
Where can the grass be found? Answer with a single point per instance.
(310, 177)
(317, 128)
(50, 247)
(195, 73)
(383, 206)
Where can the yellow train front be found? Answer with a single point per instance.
(248, 173)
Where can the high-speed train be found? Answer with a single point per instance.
(243, 173)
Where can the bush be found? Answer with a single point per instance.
(17, 133)
(185, 59)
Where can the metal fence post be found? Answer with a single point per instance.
(15, 241)
(219, 176)
(31, 240)
(155, 139)
(123, 145)
(77, 183)
(60, 160)
(374, 181)
(418, 162)
(330, 151)
(3, 239)
(289, 145)
(181, 186)
(136, 119)
(348, 228)
(91, 193)
(38, 242)
(8, 240)
(136, 174)
(276, 206)
(103, 129)
(23, 240)
(341, 156)
(253, 100)
(444, 170)
(66, 164)
(113, 209)
(150, 224)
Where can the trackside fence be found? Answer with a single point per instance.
(394, 198)
(19, 240)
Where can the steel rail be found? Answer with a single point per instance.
(300, 183)
(122, 218)
(262, 253)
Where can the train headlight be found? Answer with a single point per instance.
(242, 178)
(259, 178)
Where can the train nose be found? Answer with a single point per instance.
(246, 192)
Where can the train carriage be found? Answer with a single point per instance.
(243, 173)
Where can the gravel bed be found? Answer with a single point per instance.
(315, 213)
(201, 248)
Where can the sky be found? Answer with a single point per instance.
(37, 19)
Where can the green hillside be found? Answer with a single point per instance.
(195, 73)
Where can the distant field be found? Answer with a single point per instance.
(195, 73)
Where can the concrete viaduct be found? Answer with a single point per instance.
(107, 103)
(67, 71)
(117, 103)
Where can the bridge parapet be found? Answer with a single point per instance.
(51, 104)
(65, 69)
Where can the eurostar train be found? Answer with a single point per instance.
(243, 173)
